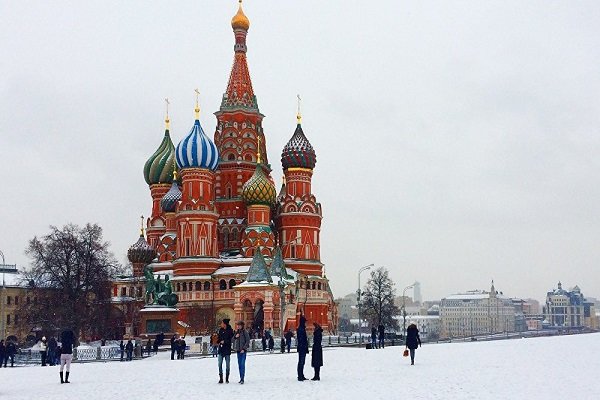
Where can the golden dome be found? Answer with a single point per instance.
(259, 189)
(239, 20)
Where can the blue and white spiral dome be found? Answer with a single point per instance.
(196, 150)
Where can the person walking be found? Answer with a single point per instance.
(317, 351)
(302, 347)
(122, 348)
(241, 343)
(67, 341)
(225, 338)
(129, 350)
(2, 352)
(43, 350)
(373, 338)
(11, 350)
(52, 347)
(413, 340)
(174, 345)
(381, 330)
(288, 339)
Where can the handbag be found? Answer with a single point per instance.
(405, 354)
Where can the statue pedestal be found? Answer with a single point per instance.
(157, 319)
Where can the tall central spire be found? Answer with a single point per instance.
(239, 93)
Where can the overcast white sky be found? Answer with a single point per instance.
(456, 141)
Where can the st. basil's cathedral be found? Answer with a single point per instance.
(231, 246)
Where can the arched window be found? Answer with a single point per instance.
(184, 286)
(178, 287)
(206, 285)
(123, 291)
(231, 283)
(198, 286)
(231, 157)
(314, 285)
(228, 192)
(248, 157)
(8, 300)
(132, 292)
(319, 286)
(222, 284)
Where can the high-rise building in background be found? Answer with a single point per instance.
(417, 297)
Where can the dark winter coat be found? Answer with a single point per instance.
(225, 336)
(381, 330)
(2, 351)
(413, 340)
(373, 333)
(288, 336)
(129, 347)
(241, 340)
(317, 349)
(301, 337)
(67, 341)
(52, 345)
(11, 349)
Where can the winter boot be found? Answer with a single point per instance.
(220, 378)
(67, 377)
(227, 377)
(61, 378)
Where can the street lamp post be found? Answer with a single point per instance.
(360, 271)
(404, 310)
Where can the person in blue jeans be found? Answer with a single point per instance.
(241, 343)
(225, 338)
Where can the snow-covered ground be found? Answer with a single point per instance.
(566, 366)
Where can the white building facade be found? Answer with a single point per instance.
(476, 312)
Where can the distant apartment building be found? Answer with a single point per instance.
(347, 308)
(569, 309)
(476, 312)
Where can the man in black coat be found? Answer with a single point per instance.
(413, 340)
(302, 347)
(67, 341)
(317, 352)
(381, 330)
(373, 337)
(122, 348)
(11, 350)
(174, 345)
(129, 350)
(52, 347)
(225, 337)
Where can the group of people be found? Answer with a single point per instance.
(126, 350)
(7, 352)
(178, 347)
(378, 333)
(228, 340)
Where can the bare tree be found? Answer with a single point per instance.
(70, 274)
(378, 299)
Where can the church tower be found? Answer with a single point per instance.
(158, 173)
(298, 217)
(196, 215)
(238, 135)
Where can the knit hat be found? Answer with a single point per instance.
(226, 321)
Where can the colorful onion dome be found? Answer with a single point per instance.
(159, 167)
(141, 251)
(196, 150)
(259, 189)
(298, 152)
(239, 20)
(169, 201)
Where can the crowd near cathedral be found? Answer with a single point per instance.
(227, 242)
